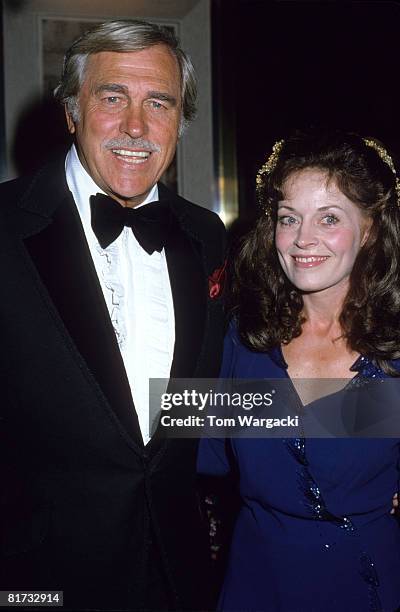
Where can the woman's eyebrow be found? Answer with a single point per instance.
(322, 208)
(283, 205)
(328, 206)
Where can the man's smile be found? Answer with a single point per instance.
(132, 157)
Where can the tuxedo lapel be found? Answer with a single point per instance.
(62, 258)
(186, 273)
(191, 261)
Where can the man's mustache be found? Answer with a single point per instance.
(132, 143)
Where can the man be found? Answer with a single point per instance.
(92, 307)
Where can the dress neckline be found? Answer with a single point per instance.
(363, 365)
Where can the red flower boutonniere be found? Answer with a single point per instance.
(216, 281)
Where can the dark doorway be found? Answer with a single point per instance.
(290, 64)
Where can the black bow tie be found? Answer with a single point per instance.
(149, 223)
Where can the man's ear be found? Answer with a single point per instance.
(70, 121)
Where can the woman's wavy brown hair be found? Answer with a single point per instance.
(268, 308)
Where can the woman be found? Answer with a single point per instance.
(316, 295)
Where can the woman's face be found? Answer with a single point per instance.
(319, 232)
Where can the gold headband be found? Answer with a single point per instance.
(384, 155)
(277, 148)
(269, 164)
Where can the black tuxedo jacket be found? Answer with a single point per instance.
(85, 507)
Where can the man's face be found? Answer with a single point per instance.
(130, 109)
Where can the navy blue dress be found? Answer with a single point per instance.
(314, 532)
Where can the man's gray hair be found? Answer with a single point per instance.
(122, 37)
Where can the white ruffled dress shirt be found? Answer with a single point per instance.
(137, 292)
